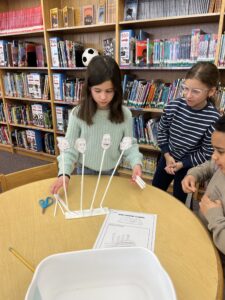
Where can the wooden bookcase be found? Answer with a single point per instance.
(93, 36)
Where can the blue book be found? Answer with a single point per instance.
(58, 81)
(54, 47)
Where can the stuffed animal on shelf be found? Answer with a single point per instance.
(87, 55)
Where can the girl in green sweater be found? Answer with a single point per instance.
(100, 112)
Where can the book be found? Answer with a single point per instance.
(68, 16)
(102, 12)
(88, 14)
(40, 55)
(141, 53)
(56, 18)
(127, 43)
(58, 79)
(3, 56)
(109, 47)
(55, 51)
(130, 10)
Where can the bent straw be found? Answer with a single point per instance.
(99, 175)
(22, 259)
(64, 179)
(110, 179)
(82, 184)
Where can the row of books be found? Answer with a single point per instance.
(66, 53)
(142, 9)
(25, 19)
(62, 117)
(103, 12)
(26, 85)
(67, 89)
(34, 140)
(18, 53)
(183, 50)
(145, 131)
(154, 93)
(148, 164)
(29, 114)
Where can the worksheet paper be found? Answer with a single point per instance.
(127, 229)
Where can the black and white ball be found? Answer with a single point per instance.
(88, 54)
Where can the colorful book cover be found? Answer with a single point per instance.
(88, 14)
(141, 53)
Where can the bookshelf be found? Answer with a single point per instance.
(93, 36)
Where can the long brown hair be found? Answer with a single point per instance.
(99, 70)
(207, 73)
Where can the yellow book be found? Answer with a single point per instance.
(56, 18)
(68, 16)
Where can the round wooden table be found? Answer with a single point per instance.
(182, 244)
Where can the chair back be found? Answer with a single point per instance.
(12, 180)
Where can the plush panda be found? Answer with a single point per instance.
(88, 54)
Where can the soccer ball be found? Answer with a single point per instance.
(88, 54)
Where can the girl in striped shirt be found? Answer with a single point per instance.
(185, 128)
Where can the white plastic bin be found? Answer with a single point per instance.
(101, 274)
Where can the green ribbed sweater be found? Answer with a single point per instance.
(93, 135)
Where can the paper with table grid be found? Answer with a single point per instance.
(127, 229)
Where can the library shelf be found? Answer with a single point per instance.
(84, 29)
(28, 99)
(148, 147)
(66, 103)
(3, 123)
(32, 33)
(172, 21)
(25, 68)
(35, 154)
(92, 36)
(31, 127)
(68, 69)
(6, 147)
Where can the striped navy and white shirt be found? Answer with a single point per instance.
(186, 133)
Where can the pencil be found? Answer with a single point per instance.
(23, 260)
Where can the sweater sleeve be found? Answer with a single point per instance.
(203, 172)
(203, 153)
(133, 154)
(216, 224)
(70, 155)
(164, 128)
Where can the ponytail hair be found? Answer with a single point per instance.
(207, 73)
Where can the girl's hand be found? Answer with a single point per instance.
(207, 204)
(58, 184)
(170, 164)
(189, 184)
(170, 161)
(136, 172)
(178, 166)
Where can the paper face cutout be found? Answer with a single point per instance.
(80, 145)
(63, 144)
(126, 143)
(106, 141)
